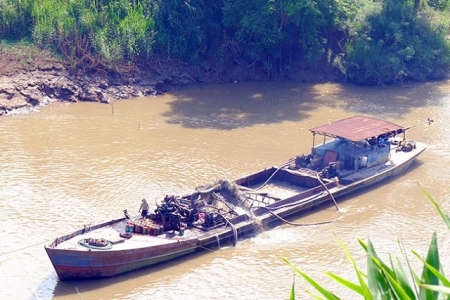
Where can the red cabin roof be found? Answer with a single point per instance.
(357, 128)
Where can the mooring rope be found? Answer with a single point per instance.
(26, 247)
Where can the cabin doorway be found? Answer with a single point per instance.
(362, 162)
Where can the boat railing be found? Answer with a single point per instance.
(260, 198)
(86, 229)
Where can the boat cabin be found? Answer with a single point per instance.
(357, 142)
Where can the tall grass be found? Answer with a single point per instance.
(88, 31)
(390, 280)
(15, 18)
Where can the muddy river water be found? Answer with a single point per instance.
(70, 165)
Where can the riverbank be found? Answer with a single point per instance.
(31, 77)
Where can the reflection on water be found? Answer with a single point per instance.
(77, 164)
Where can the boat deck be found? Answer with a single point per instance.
(276, 190)
(396, 159)
(112, 234)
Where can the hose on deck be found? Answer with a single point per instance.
(278, 169)
(300, 224)
(331, 195)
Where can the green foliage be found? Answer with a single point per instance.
(188, 30)
(83, 30)
(272, 32)
(252, 23)
(15, 19)
(395, 44)
(369, 41)
(440, 5)
(311, 21)
(391, 281)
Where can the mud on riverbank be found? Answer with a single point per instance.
(33, 78)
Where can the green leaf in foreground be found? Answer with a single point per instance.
(402, 278)
(437, 288)
(292, 295)
(391, 281)
(427, 276)
(329, 295)
(444, 216)
(345, 282)
(364, 289)
(378, 284)
(436, 272)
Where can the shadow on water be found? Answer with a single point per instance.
(240, 105)
(228, 107)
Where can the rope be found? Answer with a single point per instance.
(278, 169)
(26, 247)
(233, 228)
(299, 224)
(197, 245)
(235, 234)
(331, 195)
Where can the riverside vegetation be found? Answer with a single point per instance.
(104, 50)
(363, 42)
(390, 280)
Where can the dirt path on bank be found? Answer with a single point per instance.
(31, 77)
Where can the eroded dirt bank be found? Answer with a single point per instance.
(23, 89)
(32, 79)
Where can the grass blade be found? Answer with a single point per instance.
(329, 295)
(385, 267)
(402, 278)
(346, 283)
(436, 272)
(444, 216)
(292, 295)
(378, 284)
(412, 273)
(437, 288)
(365, 292)
(427, 276)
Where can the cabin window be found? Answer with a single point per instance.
(362, 161)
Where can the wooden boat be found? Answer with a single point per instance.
(355, 153)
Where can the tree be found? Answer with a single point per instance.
(395, 44)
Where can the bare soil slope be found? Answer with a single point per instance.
(31, 77)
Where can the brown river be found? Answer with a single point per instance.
(71, 165)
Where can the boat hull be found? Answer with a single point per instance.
(297, 190)
(75, 264)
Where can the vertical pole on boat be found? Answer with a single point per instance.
(314, 142)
